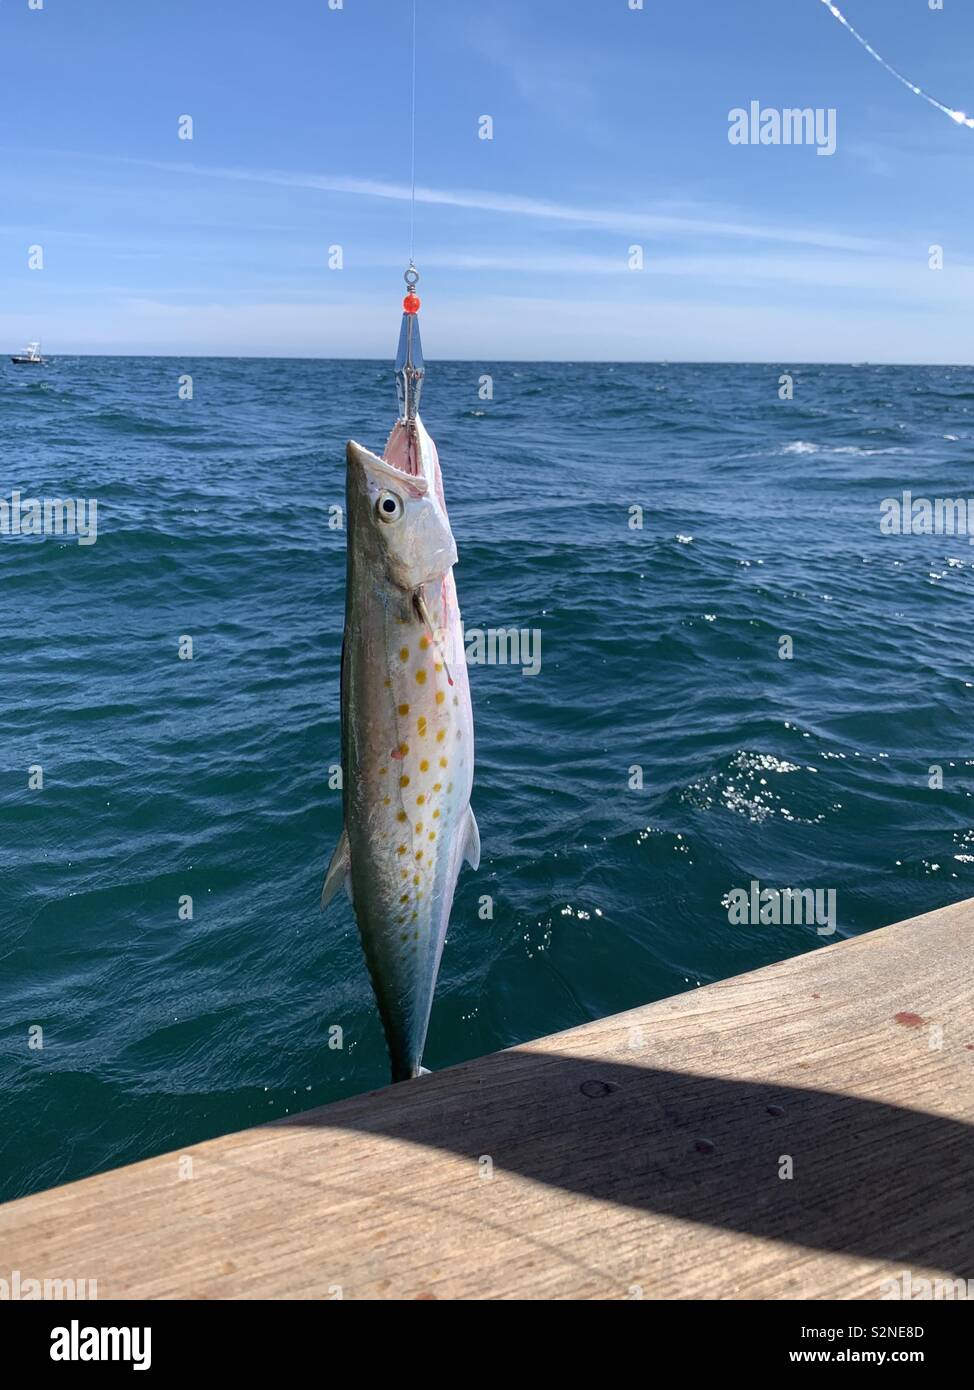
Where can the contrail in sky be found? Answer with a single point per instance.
(958, 116)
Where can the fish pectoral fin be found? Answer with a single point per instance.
(339, 871)
(471, 841)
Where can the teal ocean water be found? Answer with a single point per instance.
(660, 649)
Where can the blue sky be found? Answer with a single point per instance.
(610, 129)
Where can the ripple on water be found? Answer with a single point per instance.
(160, 909)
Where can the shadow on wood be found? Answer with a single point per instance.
(869, 1179)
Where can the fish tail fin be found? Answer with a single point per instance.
(409, 1073)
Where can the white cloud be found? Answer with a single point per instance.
(631, 221)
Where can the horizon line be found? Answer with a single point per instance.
(525, 361)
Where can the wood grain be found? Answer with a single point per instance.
(639, 1156)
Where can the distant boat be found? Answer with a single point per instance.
(31, 356)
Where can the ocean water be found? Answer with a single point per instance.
(659, 650)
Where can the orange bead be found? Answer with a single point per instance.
(411, 303)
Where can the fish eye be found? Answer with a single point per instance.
(389, 506)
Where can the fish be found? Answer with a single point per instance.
(406, 730)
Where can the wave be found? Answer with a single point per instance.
(641, 518)
(802, 446)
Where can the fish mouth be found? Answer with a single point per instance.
(404, 449)
(384, 469)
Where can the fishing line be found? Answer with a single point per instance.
(957, 116)
(409, 358)
(412, 141)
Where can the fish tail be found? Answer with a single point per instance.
(408, 1071)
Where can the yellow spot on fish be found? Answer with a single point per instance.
(404, 781)
(437, 786)
(420, 677)
(440, 697)
(403, 873)
(432, 835)
(387, 684)
(403, 749)
(404, 709)
(413, 919)
(416, 878)
(444, 762)
(403, 653)
(436, 815)
(400, 815)
(419, 827)
(421, 725)
(404, 898)
(424, 766)
(401, 849)
(383, 770)
(437, 665)
(441, 736)
(386, 800)
(419, 854)
(421, 801)
(424, 642)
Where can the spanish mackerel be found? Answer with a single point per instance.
(407, 731)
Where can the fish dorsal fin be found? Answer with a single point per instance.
(471, 840)
(339, 871)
